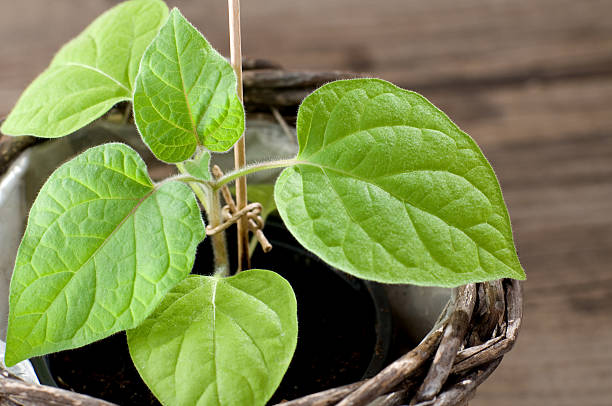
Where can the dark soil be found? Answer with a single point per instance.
(336, 335)
(103, 370)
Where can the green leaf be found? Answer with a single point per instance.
(89, 74)
(388, 188)
(199, 167)
(186, 94)
(218, 341)
(102, 247)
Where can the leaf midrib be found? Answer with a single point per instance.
(324, 146)
(214, 286)
(119, 225)
(347, 174)
(180, 69)
(214, 330)
(99, 71)
(310, 162)
(350, 215)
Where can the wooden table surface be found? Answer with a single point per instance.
(530, 80)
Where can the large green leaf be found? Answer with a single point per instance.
(389, 189)
(186, 94)
(218, 341)
(89, 74)
(102, 247)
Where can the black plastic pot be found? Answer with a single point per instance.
(344, 332)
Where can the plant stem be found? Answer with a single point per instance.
(212, 205)
(233, 175)
(194, 184)
(247, 170)
(219, 243)
(239, 148)
(186, 179)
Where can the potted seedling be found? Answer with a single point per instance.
(384, 187)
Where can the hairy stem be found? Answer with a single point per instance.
(210, 200)
(195, 185)
(219, 243)
(187, 179)
(233, 175)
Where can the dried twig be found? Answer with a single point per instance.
(325, 398)
(465, 389)
(391, 399)
(494, 348)
(386, 380)
(454, 335)
(489, 313)
(15, 392)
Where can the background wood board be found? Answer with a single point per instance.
(531, 81)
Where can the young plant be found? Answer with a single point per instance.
(384, 187)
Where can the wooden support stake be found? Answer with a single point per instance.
(239, 149)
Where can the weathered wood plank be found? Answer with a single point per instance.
(558, 186)
(535, 112)
(421, 44)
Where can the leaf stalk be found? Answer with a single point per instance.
(249, 169)
(212, 205)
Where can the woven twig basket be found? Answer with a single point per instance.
(478, 326)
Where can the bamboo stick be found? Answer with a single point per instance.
(239, 148)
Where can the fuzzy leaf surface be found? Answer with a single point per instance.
(89, 74)
(218, 341)
(200, 166)
(388, 188)
(186, 94)
(102, 247)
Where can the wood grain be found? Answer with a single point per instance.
(18, 393)
(531, 81)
